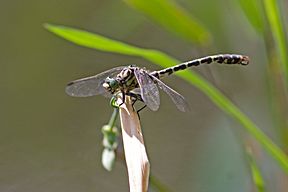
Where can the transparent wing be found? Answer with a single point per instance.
(91, 86)
(149, 90)
(178, 99)
(136, 91)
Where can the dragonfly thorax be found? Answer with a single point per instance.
(125, 81)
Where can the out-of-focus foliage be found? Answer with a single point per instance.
(254, 12)
(174, 18)
(256, 173)
(277, 28)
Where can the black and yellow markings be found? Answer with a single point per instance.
(225, 59)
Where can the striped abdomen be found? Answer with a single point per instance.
(226, 59)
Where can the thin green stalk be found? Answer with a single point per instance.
(274, 18)
(255, 171)
(113, 117)
(155, 183)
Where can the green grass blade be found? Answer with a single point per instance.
(91, 40)
(174, 18)
(98, 42)
(253, 12)
(277, 28)
(159, 186)
(255, 171)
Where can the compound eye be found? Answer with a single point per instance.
(113, 84)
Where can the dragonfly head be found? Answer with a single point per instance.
(111, 84)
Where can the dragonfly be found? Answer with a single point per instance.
(142, 85)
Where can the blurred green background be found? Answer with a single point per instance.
(52, 142)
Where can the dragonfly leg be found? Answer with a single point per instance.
(135, 97)
(141, 109)
(138, 111)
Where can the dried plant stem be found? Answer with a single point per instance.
(135, 153)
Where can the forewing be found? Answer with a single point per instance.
(91, 86)
(178, 99)
(149, 91)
